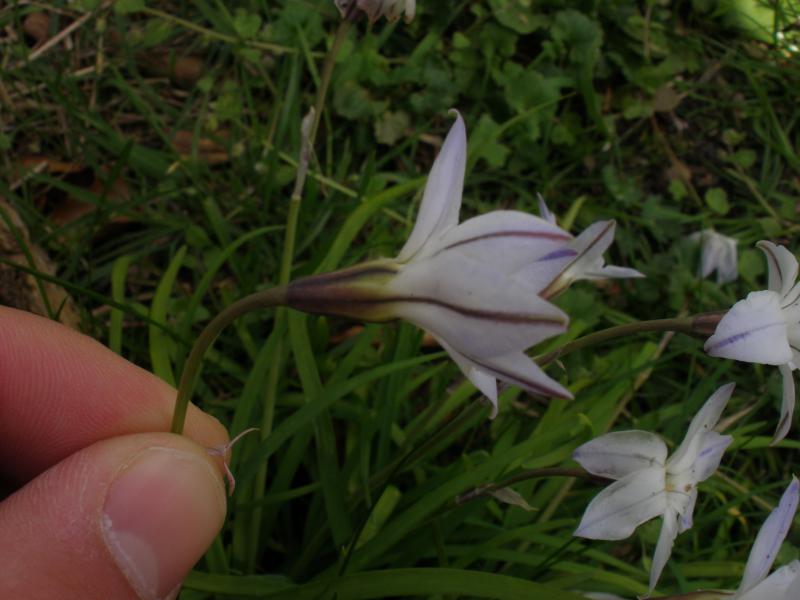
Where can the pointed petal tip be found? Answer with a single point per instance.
(765, 245)
(459, 121)
(787, 405)
(778, 436)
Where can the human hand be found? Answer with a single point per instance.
(104, 505)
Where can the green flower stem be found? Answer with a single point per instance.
(294, 211)
(327, 71)
(701, 325)
(267, 299)
(309, 135)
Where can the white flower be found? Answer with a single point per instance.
(765, 328)
(588, 261)
(648, 483)
(783, 584)
(476, 286)
(718, 253)
(375, 9)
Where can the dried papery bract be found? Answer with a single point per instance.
(375, 9)
(222, 451)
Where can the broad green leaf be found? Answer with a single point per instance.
(717, 200)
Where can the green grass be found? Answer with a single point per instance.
(607, 111)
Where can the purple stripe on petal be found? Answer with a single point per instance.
(740, 336)
(712, 448)
(562, 253)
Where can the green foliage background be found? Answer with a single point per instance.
(669, 117)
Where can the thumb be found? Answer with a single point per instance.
(124, 518)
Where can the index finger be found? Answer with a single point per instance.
(61, 391)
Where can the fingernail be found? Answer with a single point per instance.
(161, 512)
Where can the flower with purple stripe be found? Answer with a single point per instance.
(765, 328)
(480, 287)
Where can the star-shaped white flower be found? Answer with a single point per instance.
(718, 253)
(783, 584)
(648, 483)
(765, 328)
(478, 287)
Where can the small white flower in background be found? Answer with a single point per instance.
(718, 253)
(648, 483)
(477, 287)
(765, 328)
(375, 9)
(783, 584)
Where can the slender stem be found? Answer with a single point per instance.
(309, 134)
(306, 147)
(487, 490)
(269, 298)
(327, 71)
(689, 325)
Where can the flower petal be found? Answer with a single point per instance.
(709, 253)
(486, 383)
(782, 266)
(508, 239)
(624, 505)
(787, 404)
(518, 369)
(719, 254)
(589, 264)
(783, 584)
(544, 272)
(728, 260)
(753, 330)
(769, 538)
(544, 212)
(669, 531)
(712, 448)
(476, 309)
(702, 423)
(793, 576)
(441, 200)
(515, 369)
(792, 298)
(686, 516)
(411, 9)
(615, 455)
